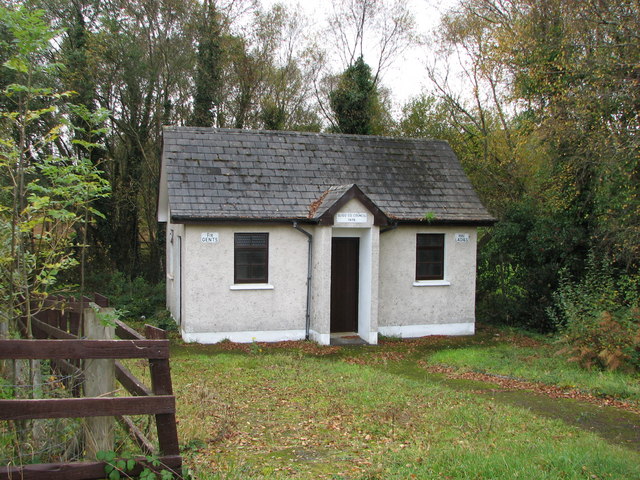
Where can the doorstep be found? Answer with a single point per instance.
(346, 338)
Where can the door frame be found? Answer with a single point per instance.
(349, 283)
(365, 279)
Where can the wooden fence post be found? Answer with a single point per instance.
(161, 385)
(99, 377)
(4, 334)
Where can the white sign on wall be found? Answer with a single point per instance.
(352, 217)
(462, 237)
(209, 237)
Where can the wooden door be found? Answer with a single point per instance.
(345, 267)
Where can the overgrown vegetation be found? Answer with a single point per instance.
(44, 440)
(548, 134)
(49, 184)
(135, 298)
(117, 468)
(599, 317)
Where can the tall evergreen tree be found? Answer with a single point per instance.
(355, 99)
(208, 74)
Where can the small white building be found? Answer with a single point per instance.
(286, 235)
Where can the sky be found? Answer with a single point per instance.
(406, 77)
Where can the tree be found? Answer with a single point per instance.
(209, 64)
(143, 66)
(355, 101)
(75, 52)
(426, 116)
(584, 97)
(287, 95)
(548, 135)
(46, 194)
(381, 30)
(383, 27)
(269, 84)
(152, 63)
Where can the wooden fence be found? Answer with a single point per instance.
(66, 350)
(62, 313)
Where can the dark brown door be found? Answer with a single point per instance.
(345, 268)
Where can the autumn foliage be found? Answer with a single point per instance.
(599, 318)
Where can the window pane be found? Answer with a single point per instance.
(430, 256)
(251, 257)
(243, 272)
(434, 269)
(421, 270)
(259, 272)
(251, 239)
(430, 239)
(242, 257)
(256, 256)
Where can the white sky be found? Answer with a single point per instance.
(406, 77)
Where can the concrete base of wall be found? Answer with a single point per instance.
(413, 331)
(244, 337)
(320, 338)
(371, 339)
(405, 331)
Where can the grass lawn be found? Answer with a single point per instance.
(302, 411)
(538, 361)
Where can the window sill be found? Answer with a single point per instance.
(251, 286)
(431, 283)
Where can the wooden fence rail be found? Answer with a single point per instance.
(65, 350)
(64, 313)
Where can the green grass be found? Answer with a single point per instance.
(302, 413)
(540, 364)
(6, 390)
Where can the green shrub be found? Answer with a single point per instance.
(599, 317)
(163, 319)
(135, 298)
(519, 260)
(6, 390)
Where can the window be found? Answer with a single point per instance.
(430, 256)
(251, 258)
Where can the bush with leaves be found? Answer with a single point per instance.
(48, 183)
(135, 298)
(519, 264)
(150, 467)
(599, 317)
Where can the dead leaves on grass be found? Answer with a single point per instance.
(536, 387)
(377, 358)
(305, 347)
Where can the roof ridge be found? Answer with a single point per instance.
(240, 131)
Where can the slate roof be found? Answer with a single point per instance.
(223, 174)
(328, 198)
